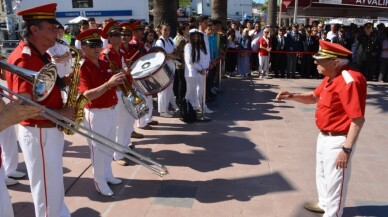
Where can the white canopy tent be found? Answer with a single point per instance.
(77, 19)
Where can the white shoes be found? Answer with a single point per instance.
(17, 175)
(208, 111)
(104, 189)
(9, 181)
(114, 181)
(166, 115)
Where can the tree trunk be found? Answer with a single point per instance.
(166, 11)
(220, 10)
(10, 19)
(272, 11)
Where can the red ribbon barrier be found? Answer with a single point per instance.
(272, 51)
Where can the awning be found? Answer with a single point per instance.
(338, 8)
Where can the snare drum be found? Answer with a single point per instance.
(151, 74)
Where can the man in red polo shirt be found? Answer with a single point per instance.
(11, 114)
(40, 140)
(341, 99)
(98, 84)
(115, 56)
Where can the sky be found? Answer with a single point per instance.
(259, 1)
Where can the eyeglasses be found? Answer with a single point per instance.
(93, 44)
(266, 32)
(117, 34)
(126, 35)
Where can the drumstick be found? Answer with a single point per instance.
(133, 56)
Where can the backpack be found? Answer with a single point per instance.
(164, 43)
(188, 115)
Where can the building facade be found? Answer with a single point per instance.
(237, 9)
(121, 10)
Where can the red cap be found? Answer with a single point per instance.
(137, 25)
(90, 35)
(43, 12)
(331, 50)
(125, 26)
(109, 27)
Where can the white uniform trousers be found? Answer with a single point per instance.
(42, 149)
(10, 150)
(143, 121)
(331, 183)
(104, 122)
(5, 201)
(192, 91)
(125, 126)
(165, 98)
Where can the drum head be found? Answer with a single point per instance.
(147, 65)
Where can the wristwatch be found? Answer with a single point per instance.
(346, 150)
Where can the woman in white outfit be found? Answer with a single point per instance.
(166, 96)
(196, 64)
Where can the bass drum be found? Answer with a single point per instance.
(151, 74)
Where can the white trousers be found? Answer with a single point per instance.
(104, 122)
(192, 91)
(125, 126)
(201, 89)
(9, 144)
(264, 63)
(143, 121)
(331, 183)
(166, 97)
(42, 149)
(5, 201)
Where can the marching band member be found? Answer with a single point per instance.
(98, 84)
(146, 121)
(10, 115)
(136, 42)
(115, 57)
(40, 140)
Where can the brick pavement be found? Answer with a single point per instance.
(255, 159)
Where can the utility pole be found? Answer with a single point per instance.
(10, 19)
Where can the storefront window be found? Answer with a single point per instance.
(82, 3)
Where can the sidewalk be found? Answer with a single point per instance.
(255, 159)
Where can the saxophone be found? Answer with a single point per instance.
(74, 100)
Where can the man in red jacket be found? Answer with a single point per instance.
(340, 99)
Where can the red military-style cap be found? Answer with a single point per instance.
(91, 37)
(125, 26)
(137, 25)
(329, 50)
(110, 27)
(43, 12)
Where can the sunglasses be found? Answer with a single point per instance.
(93, 44)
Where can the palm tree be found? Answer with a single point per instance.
(166, 11)
(272, 11)
(220, 10)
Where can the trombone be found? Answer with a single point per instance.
(155, 167)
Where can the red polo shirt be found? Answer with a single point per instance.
(340, 101)
(25, 57)
(91, 77)
(265, 44)
(110, 55)
(138, 45)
